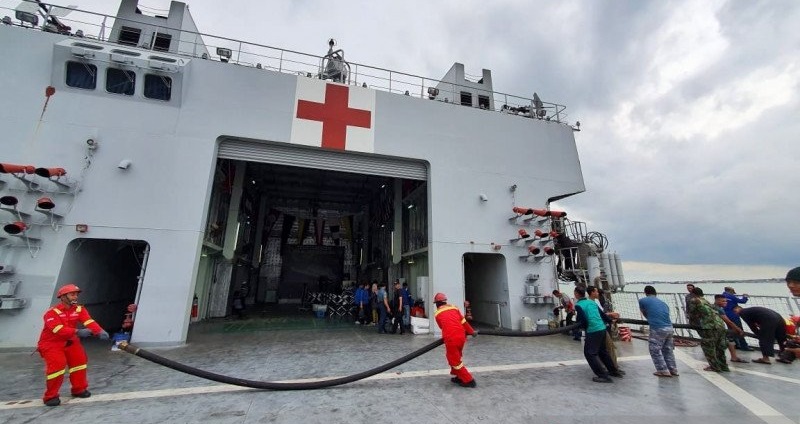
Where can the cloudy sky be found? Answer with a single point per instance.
(690, 139)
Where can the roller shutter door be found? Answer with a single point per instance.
(309, 157)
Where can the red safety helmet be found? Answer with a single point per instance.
(440, 297)
(69, 288)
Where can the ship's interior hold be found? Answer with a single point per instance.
(284, 238)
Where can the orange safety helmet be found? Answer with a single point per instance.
(440, 297)
(69, 288)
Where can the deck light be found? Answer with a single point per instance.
(224, 54)
(27, 17)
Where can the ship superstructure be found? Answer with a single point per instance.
(152, 164)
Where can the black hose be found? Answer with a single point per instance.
(269, 385)
(685, 326)
(320, 384)
(535, 333)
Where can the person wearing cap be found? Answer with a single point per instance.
(733, 300)
(455, 329)
(711, 328)
(60, 347)
(793, 281)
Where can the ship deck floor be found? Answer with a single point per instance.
(520, 380)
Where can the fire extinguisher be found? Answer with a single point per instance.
(194, 307)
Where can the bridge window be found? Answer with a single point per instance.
(161, 42)
(466, 98)
(120, 81)
(158, 87)
(81, 75)
(483, 101)
(129, 36)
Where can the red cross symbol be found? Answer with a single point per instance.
(335, 115)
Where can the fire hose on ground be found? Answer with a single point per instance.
(320, 384)
(270, 385)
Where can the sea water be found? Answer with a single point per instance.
(773, 287)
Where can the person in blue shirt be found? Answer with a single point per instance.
(594, 322)
(660, 340)
(361, 299)
(407, 302)
(734, 301)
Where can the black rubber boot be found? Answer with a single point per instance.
(53, 401)
(470, 384)
(83, 394)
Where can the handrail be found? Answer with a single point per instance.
(294, 62)
(627, 304)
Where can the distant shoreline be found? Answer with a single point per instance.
(684, 282)
(771, 287)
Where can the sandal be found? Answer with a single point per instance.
(662, 374)
(710, 368)
(740, 360)
(762, 361)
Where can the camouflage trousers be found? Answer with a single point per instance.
(714, 343)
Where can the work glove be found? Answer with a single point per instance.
(474, 334)
(103, 335)
(84, 332)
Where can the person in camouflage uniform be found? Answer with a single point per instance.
(712, 331)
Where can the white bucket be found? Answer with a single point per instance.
(525, 324)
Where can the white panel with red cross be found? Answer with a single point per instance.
(334, 116)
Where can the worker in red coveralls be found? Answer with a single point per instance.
(60, 347)
(454, 333)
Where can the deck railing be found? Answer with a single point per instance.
(627, 304)
(91, 25)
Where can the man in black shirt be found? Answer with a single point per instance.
(768, 326)
(397, 308)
